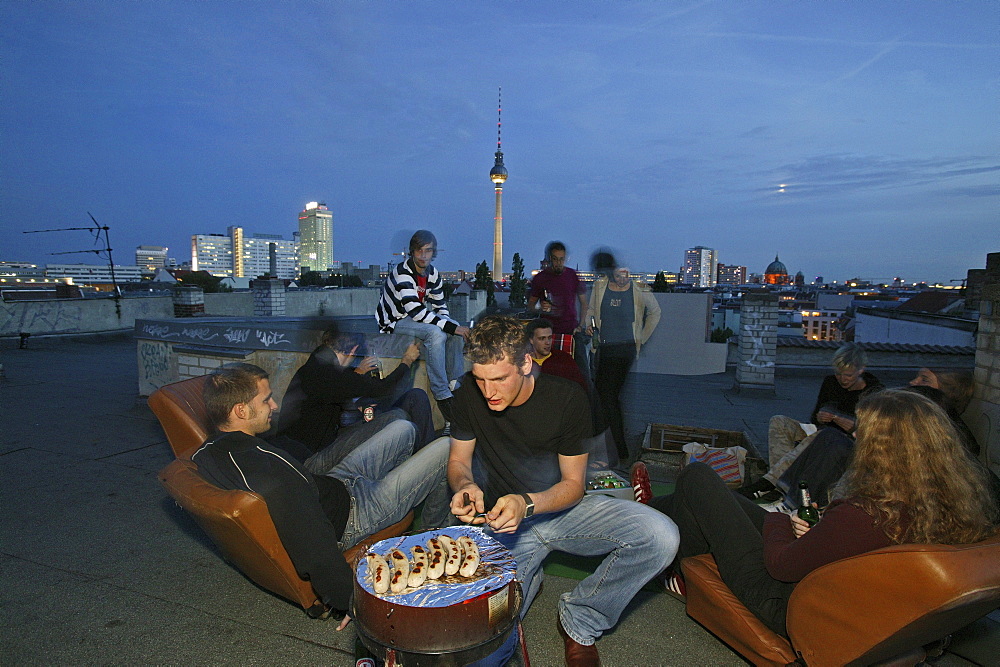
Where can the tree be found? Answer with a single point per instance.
(482, 276)
(484, 281)
(660, 283)
(311, 279)
(518, 284)
(206, 281)
(721, 335)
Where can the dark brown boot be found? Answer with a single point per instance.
(578, 655)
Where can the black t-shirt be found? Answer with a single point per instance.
(517, 450)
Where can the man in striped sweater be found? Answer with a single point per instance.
(413, 304)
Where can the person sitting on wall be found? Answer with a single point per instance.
(321, 387)
(412, 303)
(834, 409)
(549, 360)
(317, 514)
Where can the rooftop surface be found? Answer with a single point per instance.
(99, 566)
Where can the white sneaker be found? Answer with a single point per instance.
(777, 506)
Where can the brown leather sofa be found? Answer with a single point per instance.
(236, 521)
(876, 608)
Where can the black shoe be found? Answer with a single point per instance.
(446, 408)
(756, 489)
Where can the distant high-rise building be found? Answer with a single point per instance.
(315, 237)
(151, 257)
(95, 274)
(732, 275)
(212, 253)
(236, 236)
(700, 267)
(270, 253)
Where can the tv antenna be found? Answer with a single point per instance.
(98, 230)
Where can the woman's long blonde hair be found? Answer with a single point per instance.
(911, 472)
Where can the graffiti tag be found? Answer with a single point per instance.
(155, 358)
(236, 335)
(758, 356)
(269, 338)
(161, 330)
(201, 334)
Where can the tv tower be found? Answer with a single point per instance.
(498, 174)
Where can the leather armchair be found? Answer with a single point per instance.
(877, 607)
(236, 521)
(180, 407)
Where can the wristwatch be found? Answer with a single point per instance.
(531, 505)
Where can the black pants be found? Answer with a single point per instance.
(613, 365)
(712, 519)
(821, 466)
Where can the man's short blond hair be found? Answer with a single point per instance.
(496, 338)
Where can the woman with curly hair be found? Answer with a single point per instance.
(910, 481)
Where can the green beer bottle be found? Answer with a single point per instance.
(807, 512)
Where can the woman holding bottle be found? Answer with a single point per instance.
(888, 498)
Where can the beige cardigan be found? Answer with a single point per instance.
(647, 310)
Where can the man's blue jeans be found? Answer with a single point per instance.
(349, 438)
(637, 541)
(442, 354)
(386, 482)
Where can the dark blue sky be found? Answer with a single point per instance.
(649, 126)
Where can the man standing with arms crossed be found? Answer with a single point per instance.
(517, 454)
(413, 304)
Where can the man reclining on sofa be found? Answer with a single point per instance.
(313, 513)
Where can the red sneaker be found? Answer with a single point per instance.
(674, 584)
(641, 489)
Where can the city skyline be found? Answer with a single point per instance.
(851, 139)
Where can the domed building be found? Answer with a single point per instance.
(776, 273)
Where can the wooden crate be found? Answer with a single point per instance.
(662, 446)
(671, 438)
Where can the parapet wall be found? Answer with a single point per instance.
(78, 316)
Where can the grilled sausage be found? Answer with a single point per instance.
(454, 560)
(435, 558)
(418, 571)
(470, 563)
(378, 570)
(400, 571)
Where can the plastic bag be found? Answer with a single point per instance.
(726, 462)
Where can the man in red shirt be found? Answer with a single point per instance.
(553, 362)
(557, 291)
(558, 288)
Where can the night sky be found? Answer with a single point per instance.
(852, 138)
